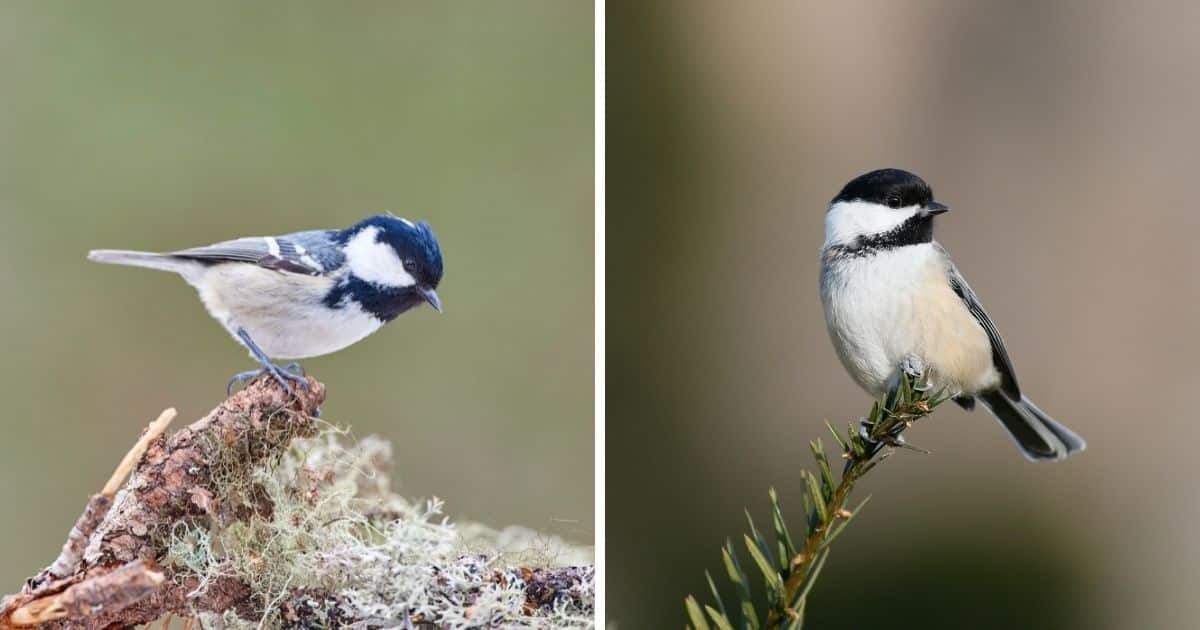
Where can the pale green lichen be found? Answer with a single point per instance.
(322, 518)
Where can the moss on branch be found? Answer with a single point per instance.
(260, 514)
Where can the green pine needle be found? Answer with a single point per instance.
(789, 572)
(695, 614)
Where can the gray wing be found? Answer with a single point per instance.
(1008, 377)
(313, 253)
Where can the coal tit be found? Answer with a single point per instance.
(309, 293)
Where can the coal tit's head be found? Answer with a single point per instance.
(395, 254)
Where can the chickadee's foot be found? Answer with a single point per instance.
(914, 368)
(864, 430)
(281, 375)
(898, 441)
(864, 433)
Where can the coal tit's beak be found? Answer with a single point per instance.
(934, 208)
(431, 297)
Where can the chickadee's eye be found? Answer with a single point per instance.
(410, 265)
(893, 201)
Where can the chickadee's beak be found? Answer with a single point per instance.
(934, 208)
(431, 297)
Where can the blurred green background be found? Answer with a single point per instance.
(146, 125)
(1064, 136)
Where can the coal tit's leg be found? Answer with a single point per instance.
(281, 375)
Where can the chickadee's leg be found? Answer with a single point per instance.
(281, 375)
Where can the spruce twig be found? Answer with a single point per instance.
(789, 573)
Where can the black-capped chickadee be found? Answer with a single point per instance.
(310, 293)
(895, 302)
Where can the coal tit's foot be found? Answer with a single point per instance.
(282, 375)
(295, 368)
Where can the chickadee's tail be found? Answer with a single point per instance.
(165, 262)
(1038, 435)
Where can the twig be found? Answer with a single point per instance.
(116, 589)
(789, 572)
(154, 430)
(883, 430)
(98, 504)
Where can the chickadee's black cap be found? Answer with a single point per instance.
(887, 186)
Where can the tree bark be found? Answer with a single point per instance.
(108, 574)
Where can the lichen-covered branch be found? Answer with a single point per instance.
(262, 514)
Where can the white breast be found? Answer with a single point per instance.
(282, 312)
(891, 305)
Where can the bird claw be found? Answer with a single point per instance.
(864, 433)
(291, 372)
(898, 441)
(864, 430)
(914, 368)
(295, 368)
(893, 439)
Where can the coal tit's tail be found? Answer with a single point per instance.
(164, 262)
(1039, 437)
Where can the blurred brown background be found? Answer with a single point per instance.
(1063, 135)
(158, 126)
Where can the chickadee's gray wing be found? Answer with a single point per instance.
(1008, 377)
(313, 253)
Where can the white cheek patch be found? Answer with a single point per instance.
(848, 220)
(376, 262)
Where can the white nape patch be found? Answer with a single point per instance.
(848, 220)
(272, 245)
(376, 262)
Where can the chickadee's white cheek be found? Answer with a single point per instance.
(848, 220)
(376, 262)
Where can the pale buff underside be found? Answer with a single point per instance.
(282, 312)
(886, 307)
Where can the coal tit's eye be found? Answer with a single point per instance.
(410, 265)
(894, 201)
